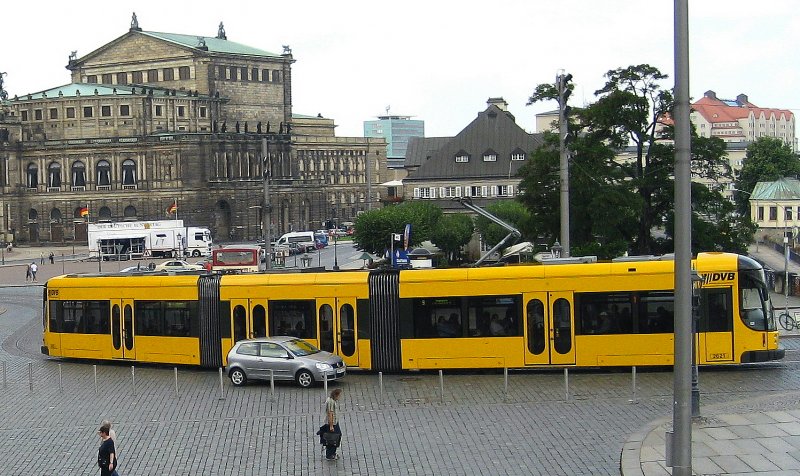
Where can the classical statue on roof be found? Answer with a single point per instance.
(135, 22)
(221, 32)
(287, 50)
(3, 93)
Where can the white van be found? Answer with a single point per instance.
(304, 239)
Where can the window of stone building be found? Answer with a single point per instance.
(222, 72)
(33, 214)
(92, 78)
(53, 113)
(232, 70)
(128, 172)
(70, 113)
(105, 111)
(32, 176)
(107, 78)
(265, 75)
(181, 111)
(490, 156)
(276, 76)
(55, 215)
(773, 213)
(54, 175)
(103, 173)
(129, 213)
(202, 111)
(37, 114)
(88, 111)
(243, 73)
(78, 174)
(124, 110)
(122, 78)
(23, 115)
(159, 111)
(183, 72)
(169, 74)
(138, 77)
(254, 74)
(152, 75)
(104, 214)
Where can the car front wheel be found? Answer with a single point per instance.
(304, 378)
(238, 377)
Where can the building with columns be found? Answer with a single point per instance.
(150, 119)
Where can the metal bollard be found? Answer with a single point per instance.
(633, 380)
(95, 379)
(380, 384)
(221, 389)
(441, 385)
(325, 387)
(30, 375)
(60, 380)
(133, 379)
(178, 395)
(505, 383)
(566, 384)
(62, 264)
(271, 385)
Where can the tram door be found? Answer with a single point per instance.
(549, 329)
(122, 329)
(249, 319)
(337, 328)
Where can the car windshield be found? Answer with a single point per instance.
(299, 347)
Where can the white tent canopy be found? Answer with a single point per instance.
(393, 183)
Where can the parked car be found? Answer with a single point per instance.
(288, 357)
(177, 265)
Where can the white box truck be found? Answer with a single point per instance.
(304, 240)
(146, 239)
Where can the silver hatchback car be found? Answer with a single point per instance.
(288, 357)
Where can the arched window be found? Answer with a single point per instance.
(33, 214)
(78, 174)
(54, 175)
(55, 215)
(77, 213)
(128, 172)
(130, 212)
(103, 173)
(105, 214)
(32, 176)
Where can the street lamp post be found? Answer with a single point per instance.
(180, 246)
(786, 271)
(556, 249)
(335, 252)
(99, 256)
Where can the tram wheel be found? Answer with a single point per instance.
(304, 378)
(238, 377)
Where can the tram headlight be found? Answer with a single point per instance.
(323, 366)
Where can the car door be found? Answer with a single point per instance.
(274, 357)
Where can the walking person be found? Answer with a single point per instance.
(52, 258)
(41, 258)
(28, 273)
(112, 434)
(332, 416)
(33, 269)
(106, 455)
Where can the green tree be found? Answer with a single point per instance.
(452, 233)
(767, 159)
(621, 174)
(373, 229)
(509, 211)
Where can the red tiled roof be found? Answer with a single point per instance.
(714, 110)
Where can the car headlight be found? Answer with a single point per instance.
(323, 366)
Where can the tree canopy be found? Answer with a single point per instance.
(621, 174)
(373, 229)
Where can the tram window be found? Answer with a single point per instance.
(603, 313)
(716, 310)
(362, 306)
(656, 312)
(55, 316)
(494, 316)
(81, 317)
(167, 318)
(437, 317)
(296, 318)
(225, 319)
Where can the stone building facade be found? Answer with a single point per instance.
(150, 119)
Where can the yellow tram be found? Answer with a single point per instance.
(617, 313)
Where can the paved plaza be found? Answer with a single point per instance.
(193, 425)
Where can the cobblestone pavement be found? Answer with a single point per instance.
(203, 427)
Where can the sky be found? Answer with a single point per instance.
(438, 61)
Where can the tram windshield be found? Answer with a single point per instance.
(755, 307)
